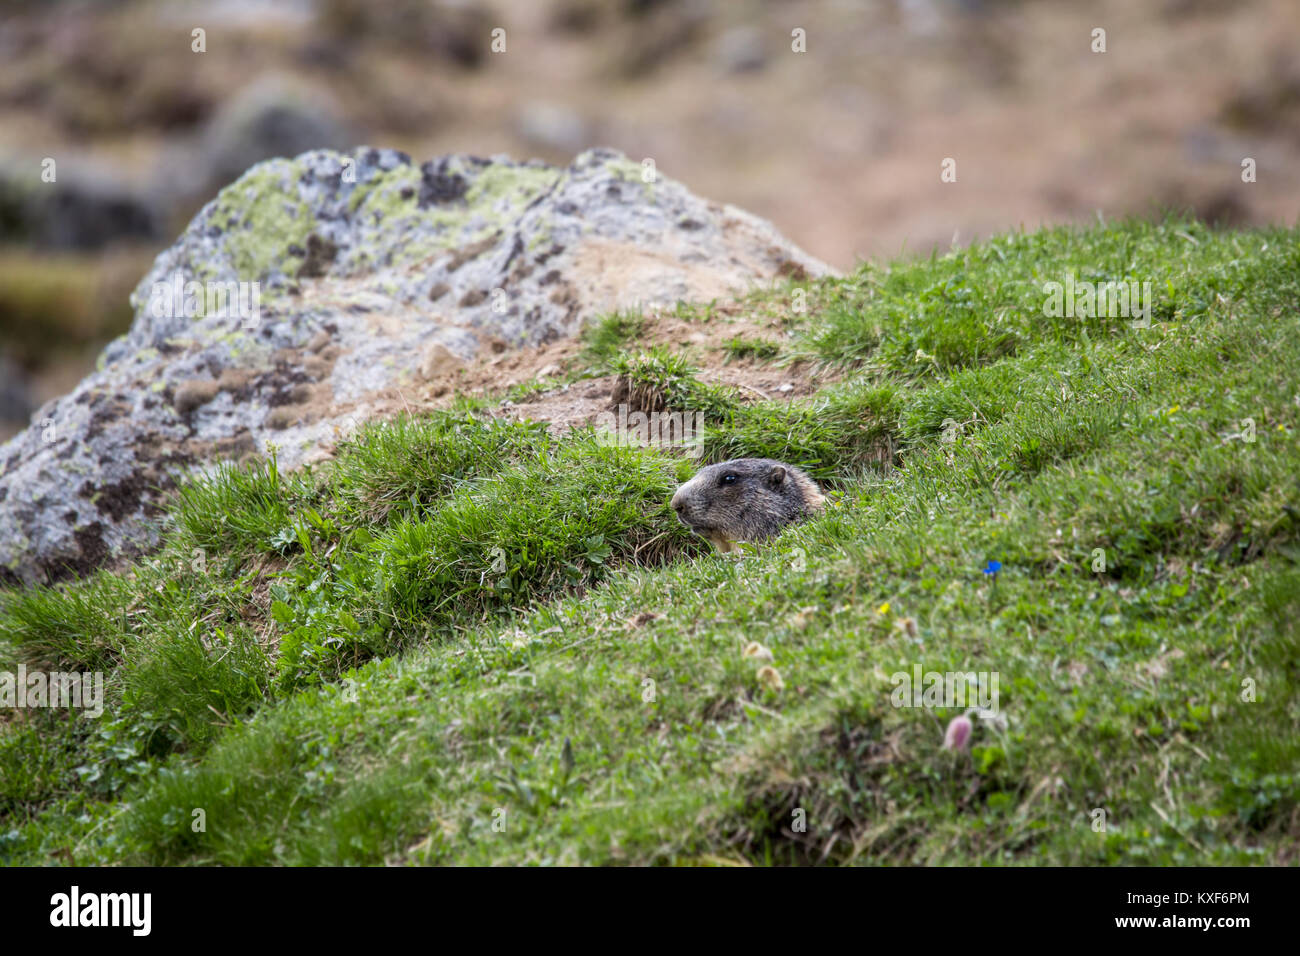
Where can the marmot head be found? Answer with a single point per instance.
(746, 499)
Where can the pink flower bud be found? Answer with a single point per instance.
(958, 734)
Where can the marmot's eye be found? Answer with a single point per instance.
(728, 480)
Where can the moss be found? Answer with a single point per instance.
(494, 200)
(624, 168)
(203, 271)
(444, 231)
(543, 238)
(519, 184)
(264, 217)
(239, 343)
(629, 171)
(382, 193)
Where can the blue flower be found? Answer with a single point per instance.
(993, 568)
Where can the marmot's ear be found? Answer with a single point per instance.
(776, 476)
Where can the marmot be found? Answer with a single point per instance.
(746, 499)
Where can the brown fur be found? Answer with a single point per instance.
(762, 498)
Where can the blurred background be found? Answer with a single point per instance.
(840, 146)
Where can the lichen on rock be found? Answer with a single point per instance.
(353, 277)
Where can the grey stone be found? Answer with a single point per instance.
(414, 267)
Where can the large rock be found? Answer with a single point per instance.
(375, 279)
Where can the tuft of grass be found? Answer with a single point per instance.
(410, 463)
(833, 436)
(241, 509)
(37, 756)
(657, 380)
(76, 626)
(738, 347)
(609, 336)
(177, 681)
(561, 523)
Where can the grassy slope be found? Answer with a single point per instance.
(536, 643)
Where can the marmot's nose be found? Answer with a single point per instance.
(678, 503)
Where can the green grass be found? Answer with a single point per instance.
(466, 641)
(658, 380)
(607, 336)
(739, 347)
(836, 435)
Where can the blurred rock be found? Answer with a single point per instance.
(1223, 208)
(660, 31)
(577, 16)
(15, 399)
(271, 117)
(1268, 100)
(456, 30)
(552, 126)
(921, 17)
(740, 50)
(87, 206)
(520, 253)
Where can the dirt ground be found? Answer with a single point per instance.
(563, 404)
